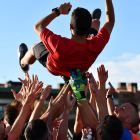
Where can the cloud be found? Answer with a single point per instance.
(125, 68)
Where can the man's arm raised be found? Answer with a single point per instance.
(41, 25)
(110, 16)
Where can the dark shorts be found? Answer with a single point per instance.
(41, 53)
(92, 32)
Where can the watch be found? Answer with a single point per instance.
(56, 10)
(110, 96)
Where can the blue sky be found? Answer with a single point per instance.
(121, 55)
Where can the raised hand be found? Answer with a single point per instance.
(56, 123)
(87, 133)
(35, 79)
(102, 74)
(64, 8)
(26, 80)
(68, 105)
(18, 96)
(111, 90)
(33, 94)
(45, 93)
(78, 84)
(92, 84)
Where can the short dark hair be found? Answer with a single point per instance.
(11, 112)
(36, 130)
(135, 106)
(81, 21)
(112, 128)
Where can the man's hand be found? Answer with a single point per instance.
(78, 84)
(111, 90)
(87, 133)
(33, 94)
(68, 105)
(92, 84)
(20, 95)
(45, 93)
(26, 80)
(102, 74)
(64, 8)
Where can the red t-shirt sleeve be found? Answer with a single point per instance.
(100, 40)
(50, 40)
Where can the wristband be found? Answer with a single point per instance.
(110, 96)
(80, 95)
(56, 10)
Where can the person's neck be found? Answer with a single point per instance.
(127, 126)
(79, 39)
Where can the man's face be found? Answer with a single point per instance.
(99, 131)
(123, 112)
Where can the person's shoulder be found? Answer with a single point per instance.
(126, 135)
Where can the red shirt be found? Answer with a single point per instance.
(66, 54)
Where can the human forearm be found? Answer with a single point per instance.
(109, 11)
(110, 106)
(103, 92)
(78, 126)
(19, 122)
(102, 110)
(37, 111)
(87, 116)
(41, 25)
(110, 103)
(92, 100)
(63, 128)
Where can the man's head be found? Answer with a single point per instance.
(11, 111)
(110, 129)
(37, 130)
(80, 21)
(128, 114)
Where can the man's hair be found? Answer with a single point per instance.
(134, 115)
(11, 112)
(36, 130)
(81, 21)
(112, 128)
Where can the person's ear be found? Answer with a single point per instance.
(135, 128)
(70, 27)
(99, 132)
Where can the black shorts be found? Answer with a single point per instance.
(41, 53)
(91, 32)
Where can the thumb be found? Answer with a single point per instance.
(14, 93)
(20, 80)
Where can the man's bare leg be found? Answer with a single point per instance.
(25, 56)
(29, 57)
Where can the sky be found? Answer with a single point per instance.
(121, 56)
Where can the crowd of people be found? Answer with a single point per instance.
(96, 118)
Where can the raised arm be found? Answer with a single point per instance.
(101, 106)
(78, 85)
(110, 103)
(110, 16)
(102, 76)
(21, 119)
(41, 25)
(37, 111)
(63, 129)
